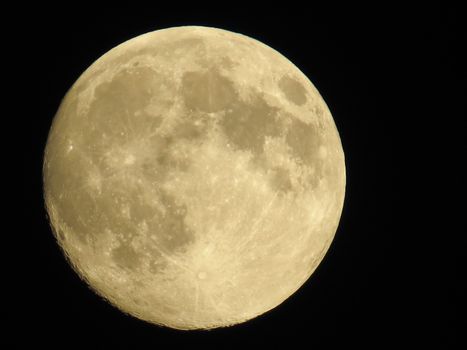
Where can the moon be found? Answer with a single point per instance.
(194, 177)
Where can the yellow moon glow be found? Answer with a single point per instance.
(194, 177)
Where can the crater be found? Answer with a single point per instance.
(164, 156)
(118, 109)
(293, 90)
(227, 63)
(207, 91)
(280, 180)
(61, 234)
(126, 257)
(168, 225)
(247, 124)
(156, 264)
(164, 227)
(80, 213)
(121, 207)
(191, 127)
(304, 141)
(170, 49)
(129, 90)
(183, 45)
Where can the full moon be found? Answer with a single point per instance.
(194, 177)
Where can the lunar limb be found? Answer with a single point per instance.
(194, 177)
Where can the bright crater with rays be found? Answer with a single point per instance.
(194, 177)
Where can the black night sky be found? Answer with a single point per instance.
(391, 78)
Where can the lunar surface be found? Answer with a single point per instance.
(194, 177)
